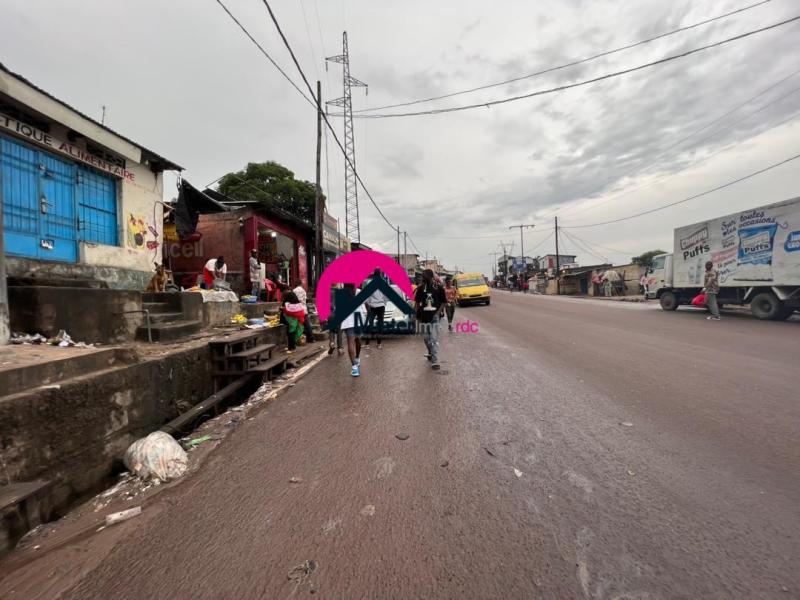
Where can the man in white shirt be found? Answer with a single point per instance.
(376, 308)
(215, 268)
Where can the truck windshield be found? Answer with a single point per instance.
(658, 263)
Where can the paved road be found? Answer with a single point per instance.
(657, 456)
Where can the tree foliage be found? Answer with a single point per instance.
(273, 185)
(645, 259)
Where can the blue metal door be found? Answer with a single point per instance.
(38, 192)
(19, 186)
(58, 225)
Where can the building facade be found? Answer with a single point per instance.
(80, 202)
(282, 241)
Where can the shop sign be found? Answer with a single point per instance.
(41, 138)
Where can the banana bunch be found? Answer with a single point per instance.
(239, 319)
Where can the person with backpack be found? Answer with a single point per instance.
(429, 301)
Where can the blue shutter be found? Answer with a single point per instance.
(97, 207)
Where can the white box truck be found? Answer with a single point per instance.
(755, 252)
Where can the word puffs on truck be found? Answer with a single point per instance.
(756, 254)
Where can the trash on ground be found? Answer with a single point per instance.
(517, 472)
(631, 473)
(53, 386)
(303, 570)
(445, 463)
(402, 436)
(295, 479)
(62, 339)
(368, 510)
(123, 515)
(27, 338)
(489, 452)
(157, 456)
(197, 441)
(626, 424)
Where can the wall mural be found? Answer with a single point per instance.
(142, 233)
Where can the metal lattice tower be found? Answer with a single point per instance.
(352, 229)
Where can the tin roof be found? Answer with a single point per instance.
(155, 159)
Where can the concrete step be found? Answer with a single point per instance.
(165, 317)
(23, 505)
(301, 354)
(166, 332)
(157, 307)
(57, 369)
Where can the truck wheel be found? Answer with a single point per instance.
(766, 306)
(669, 301)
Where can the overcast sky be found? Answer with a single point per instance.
(180, 78)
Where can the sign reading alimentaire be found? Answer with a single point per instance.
(42, 138)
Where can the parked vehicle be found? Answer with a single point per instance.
(472, 288)
(755, 252)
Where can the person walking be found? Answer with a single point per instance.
(376, 309)
(255, 273)
(429, 301)
(334, 333)
(348, 327)
(711, 289)
(302, 296)
(643, 285)
(451, 296)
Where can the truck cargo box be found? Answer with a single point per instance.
(756, 247)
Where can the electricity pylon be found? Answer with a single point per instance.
(352, 229)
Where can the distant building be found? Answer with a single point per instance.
(407, 261)
(548, 261)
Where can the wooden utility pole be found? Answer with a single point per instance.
(319, 204)
(558, 264)
(398, 243)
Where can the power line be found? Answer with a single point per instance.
(308, 35)
(652, 161)
(265, 53)
(791, 117)
(584, 247)
(700, 195)
(324, 116)
(569, 86)
(567, 65)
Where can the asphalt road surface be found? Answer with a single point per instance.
(568, 449)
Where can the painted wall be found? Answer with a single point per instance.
(139, 190)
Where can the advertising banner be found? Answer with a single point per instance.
(760, 246)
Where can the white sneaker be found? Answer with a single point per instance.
(355, 371)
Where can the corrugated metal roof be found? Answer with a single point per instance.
(165, 164)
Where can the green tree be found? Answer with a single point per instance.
(645, 259)
(273, 185)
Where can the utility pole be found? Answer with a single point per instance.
(103, 118)
(522, 245)
(405, 244)
(558, 264)
(494, 264)
(398, 243)
(353, 231)
(319, 204)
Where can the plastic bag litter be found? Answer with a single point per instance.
(157, 456)
(26, 338)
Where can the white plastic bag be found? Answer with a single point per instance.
(157, 456)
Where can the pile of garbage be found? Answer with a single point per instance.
(61, 339)
(157, 456)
